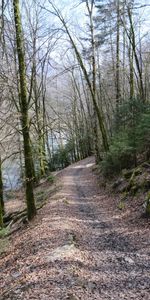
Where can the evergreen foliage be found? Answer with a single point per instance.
(131, 138)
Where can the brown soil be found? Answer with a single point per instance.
(80, 246)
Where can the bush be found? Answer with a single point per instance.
(143, 134)
(50, 178)
(129, 140)
(120, 156)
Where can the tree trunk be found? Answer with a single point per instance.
(131, 72)
(118, 94)
(1, 217)
(31, 209)
(95, 116)
(132, 40)
(38, 113)
(1, 197)
(1, 189)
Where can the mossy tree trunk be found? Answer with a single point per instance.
(31, 209)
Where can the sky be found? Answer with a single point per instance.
(74, 12)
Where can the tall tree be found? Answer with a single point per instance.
(101, 123)
(118, 93)
(90, 9)
(31, 209)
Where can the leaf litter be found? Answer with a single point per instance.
(80, 246)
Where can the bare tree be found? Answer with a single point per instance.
(31, 209)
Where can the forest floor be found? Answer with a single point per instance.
(80, 246)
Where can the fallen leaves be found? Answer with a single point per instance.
(78, 247)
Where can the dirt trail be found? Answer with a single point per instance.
(79, 247)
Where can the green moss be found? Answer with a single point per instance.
(138, 171)
(134, 189)
(121, 205)
(127, 173)
(24, 106)
(4, 232)
(148, 205)
(124, 195)
(4, 244)
(50, 178)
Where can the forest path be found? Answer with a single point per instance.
(78, 247)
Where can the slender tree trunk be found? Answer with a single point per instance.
(124, 54)
(131, 72)
(132, 40)
(31, 209)
(38, 114)
(1, 217)
(44, 121)
(118, 93)
(117, 81)
(95, 123)
(1, 189)
(47, 142)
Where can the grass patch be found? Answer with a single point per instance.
(121, 205)
(50, 178)
(4, 232)
(4, 244)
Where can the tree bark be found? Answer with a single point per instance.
(118, 93)
(95, 123)
(132, 40)
(31, 209)
(1, 216)
(1, 189)
(1, 197)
